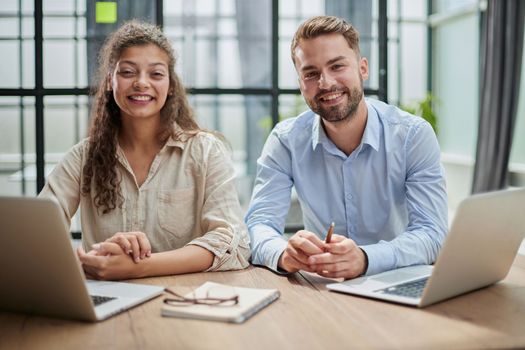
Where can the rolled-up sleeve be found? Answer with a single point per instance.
(225, 234)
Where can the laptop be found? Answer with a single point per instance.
(478, 251)
(40, 271)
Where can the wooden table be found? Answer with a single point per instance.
(306, 316)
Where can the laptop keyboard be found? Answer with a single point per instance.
(412, 289)
(98, 299)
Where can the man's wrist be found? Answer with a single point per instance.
(366, 262)
(280, 267)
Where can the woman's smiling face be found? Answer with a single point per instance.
(140, 81)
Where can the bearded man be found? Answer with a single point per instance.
(368, 167)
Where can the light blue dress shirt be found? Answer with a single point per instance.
(388, 195)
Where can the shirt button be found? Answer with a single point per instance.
(349, 196)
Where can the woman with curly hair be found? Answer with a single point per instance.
(156, 193)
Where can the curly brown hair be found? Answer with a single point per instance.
(100, 169)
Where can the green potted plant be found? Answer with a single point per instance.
(424, 109)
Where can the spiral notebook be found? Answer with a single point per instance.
(250, 301)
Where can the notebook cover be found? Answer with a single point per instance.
(251, 300)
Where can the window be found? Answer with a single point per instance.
(233, 56)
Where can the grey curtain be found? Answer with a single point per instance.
(501, 56)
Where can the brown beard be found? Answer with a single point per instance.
(339, 113)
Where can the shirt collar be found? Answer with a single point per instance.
(181, 137)
(177, 142)
(318, 134)
(370, 136)
(372, 129)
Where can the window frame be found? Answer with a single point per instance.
(39, 91)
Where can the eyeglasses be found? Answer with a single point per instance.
(216, 296)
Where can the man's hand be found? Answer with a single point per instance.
(135, 244)
(342, 258)
(107, 261)
(300, 247)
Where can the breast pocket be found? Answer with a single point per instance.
(176, 211)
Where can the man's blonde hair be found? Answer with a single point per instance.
(321, 25)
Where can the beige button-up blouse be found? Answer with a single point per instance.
(188, 197)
